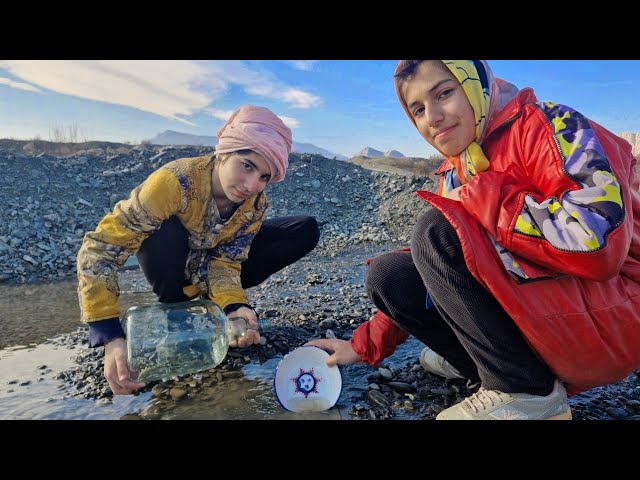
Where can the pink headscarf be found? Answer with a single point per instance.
(258, 129)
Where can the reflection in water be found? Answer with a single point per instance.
(33, 313)
(30, 314)
(29, 389)
(250, 397)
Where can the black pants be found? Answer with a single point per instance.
(467, 327)
(279, 242)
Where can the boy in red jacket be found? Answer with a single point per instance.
(530, 254)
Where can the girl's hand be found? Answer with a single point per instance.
(116, 370)
(342, 353)
(244, 328)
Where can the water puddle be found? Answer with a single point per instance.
(29, 389)
(252, 397)
(33, 316)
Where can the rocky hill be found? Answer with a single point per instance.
(634, 141)
(54, 193)
(311, 148)
(400, 165)
(369, 152)
(373, 153)
(394, 154)
(170, 137)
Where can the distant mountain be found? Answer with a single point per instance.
(170, 137)
(634, 140)
(370, 152)
(394, 154)
(311, 148)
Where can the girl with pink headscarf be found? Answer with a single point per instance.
(523, 276)
(199, 227)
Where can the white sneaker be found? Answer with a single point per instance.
(496, 405)
(434, 363)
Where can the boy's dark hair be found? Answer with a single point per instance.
(407, 70)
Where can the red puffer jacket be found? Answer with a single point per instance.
(559, 204)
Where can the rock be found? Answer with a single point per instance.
(378, 399)
(177, 394)
(402, 387)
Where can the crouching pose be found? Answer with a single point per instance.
(198, 227)
(524, 275)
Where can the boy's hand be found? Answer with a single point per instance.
(342, 353)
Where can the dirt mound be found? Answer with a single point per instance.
(52, 201)
(41, 147)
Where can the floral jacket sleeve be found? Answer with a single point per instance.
(217, 249)
(118, 235)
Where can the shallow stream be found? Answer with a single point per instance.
(32, 319)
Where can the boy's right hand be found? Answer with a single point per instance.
(116, 370)
(342, 353)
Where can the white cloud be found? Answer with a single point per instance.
(290, 122)
(306, 65)
(294, 97)
(220, 114)
(18, 85)
(170, 88)
(260, 83)
(162, 87)
(300, 99)
(225, 114)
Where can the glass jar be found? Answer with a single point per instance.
(171, 339)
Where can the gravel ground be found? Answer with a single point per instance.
(53, 200)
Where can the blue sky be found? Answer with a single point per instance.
(340, 105)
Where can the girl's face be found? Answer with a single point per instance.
(443, 115)
(242, 175)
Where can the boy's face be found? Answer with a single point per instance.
(443, 115)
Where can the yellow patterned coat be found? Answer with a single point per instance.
(181, 188)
